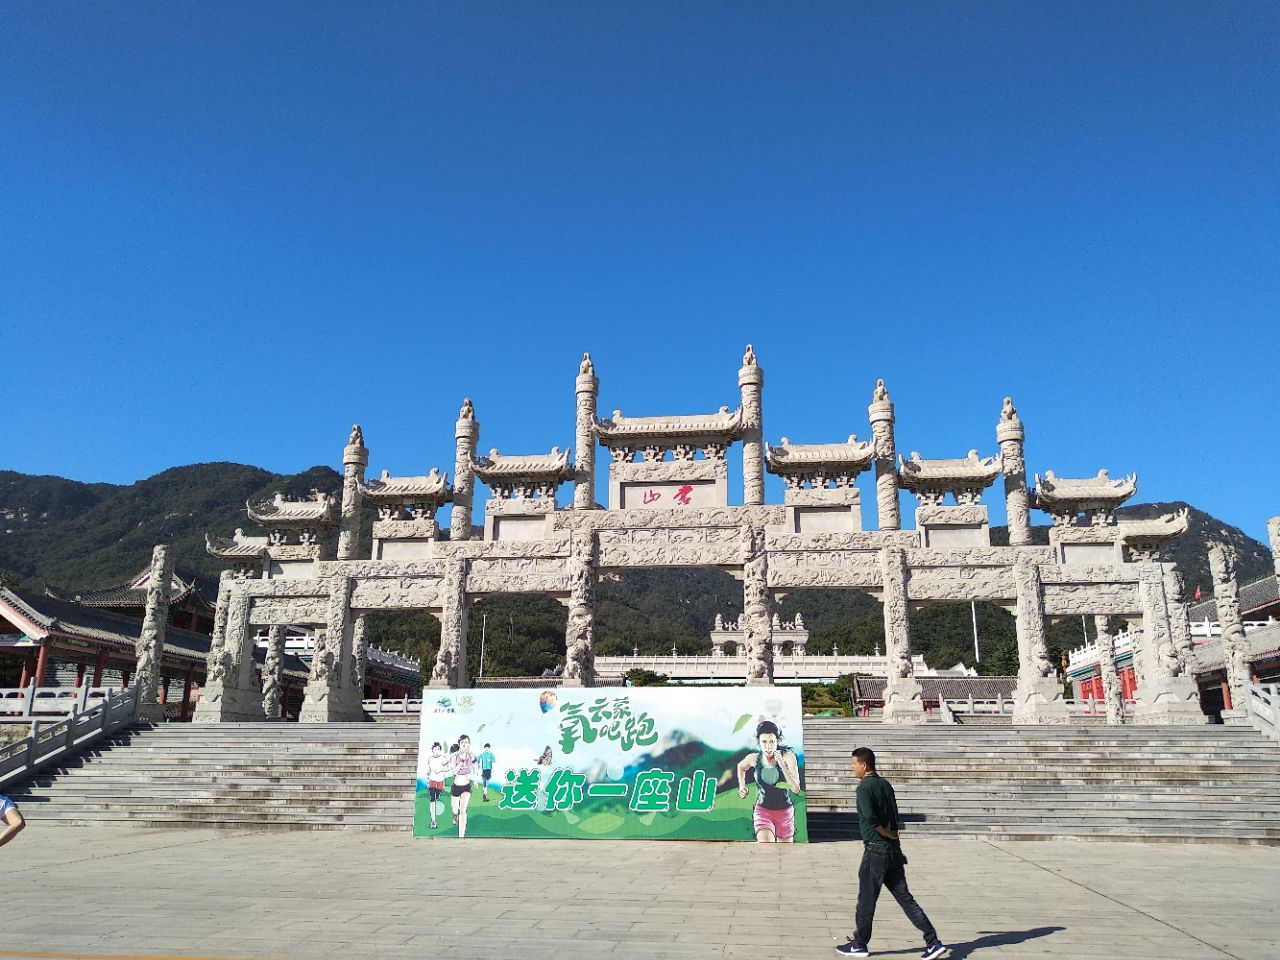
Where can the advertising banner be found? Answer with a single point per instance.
(653, 763)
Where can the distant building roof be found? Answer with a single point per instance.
(133, 593)
(1253, 596)
(65, 618)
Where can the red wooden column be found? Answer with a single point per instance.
(42, 664)
(99, 666)
(80, 669)
(164, 691)
(125, 676)
(1226, 695)
(28, 667)
(186, 692)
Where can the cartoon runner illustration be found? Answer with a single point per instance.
(777, 776)
(463, 764)
(437, 770)
(487, 760)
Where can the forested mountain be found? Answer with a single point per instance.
(83, 535)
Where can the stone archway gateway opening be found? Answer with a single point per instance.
(668, 506)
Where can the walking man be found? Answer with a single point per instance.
(882, 861)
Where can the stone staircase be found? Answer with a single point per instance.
(1121, 783)
(243, 776)
(1182, 784)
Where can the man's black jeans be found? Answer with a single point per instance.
(883, 865)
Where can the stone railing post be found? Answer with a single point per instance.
(903, 698)
(751, 384)
(355, 458)
(466, 435)
(584, 464)
(150, 648)
(881, 415)
(1235, 648)
(1037, 698)
(579, 661)
(1010, 435)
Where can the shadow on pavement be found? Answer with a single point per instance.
(988, 939)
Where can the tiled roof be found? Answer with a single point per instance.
(1263, 642)
(952, 688)
(128, 595)
(93, 625)
(1258, 593)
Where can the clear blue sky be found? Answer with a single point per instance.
(232, 229)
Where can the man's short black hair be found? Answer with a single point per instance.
(865, 755)
(486, 746)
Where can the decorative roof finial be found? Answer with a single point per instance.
(586, 367)
(467, 412)
(881, 393)
(749, 358)
(357, 436)
(1008, 412)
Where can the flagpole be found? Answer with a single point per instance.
(973, 614)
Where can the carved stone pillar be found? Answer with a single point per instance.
(1235, 648)
(757, 625)
(1273, 532)
(359, 654)
(1111, 692)
(881, 415)
(584, 464)
(451, 661)
(580, 630)
(903, 698)
(150, 647)
(466, 434)
(273, 672)
(1037, 698)
(231, 693)
(751, 384)
(329, 696)
(1010, 436)
(1179, 624)
(354, 460)
(1167, 693)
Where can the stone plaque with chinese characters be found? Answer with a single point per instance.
(672, 495)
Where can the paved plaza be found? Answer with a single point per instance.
(77, 892)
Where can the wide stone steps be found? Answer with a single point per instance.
(1212, 784)
(1217, 784)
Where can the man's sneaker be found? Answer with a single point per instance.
(935, 949)
(855, 948)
